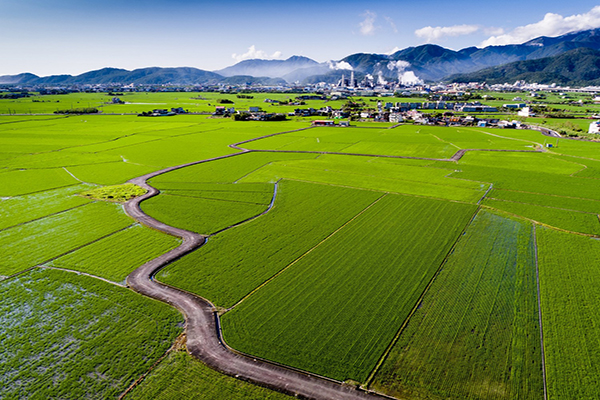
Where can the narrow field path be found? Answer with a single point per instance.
(202, 322)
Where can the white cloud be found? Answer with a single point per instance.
(433, 33)
(367, 26)
(339, 65)
(392, 24)
(252, 53)
(392, 51)
(551, 25)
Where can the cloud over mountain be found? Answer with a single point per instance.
(551, 25)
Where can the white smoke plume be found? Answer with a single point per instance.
(407, 78)
(339, 65)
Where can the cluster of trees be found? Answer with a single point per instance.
(244, 116)
(84, 110)
(244, 96)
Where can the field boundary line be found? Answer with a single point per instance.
(237, 144)
(388, 350)
(174, 347)
(76, 178)
(486, 193)
(46, 216)
(537, 276)
(269, 208)
(165, 193)
(80, 273)
(306, 253)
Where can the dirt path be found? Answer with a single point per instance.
(202, 324)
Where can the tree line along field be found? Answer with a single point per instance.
(415, 277)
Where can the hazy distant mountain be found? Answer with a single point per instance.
(271, 68)
(427, 62)
(20, 78)
(150, 76)
(252, 80)
(432, 62)
(575, 67)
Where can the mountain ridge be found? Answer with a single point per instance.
(428, 62)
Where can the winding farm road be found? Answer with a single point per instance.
(202, 322)
(203, 335)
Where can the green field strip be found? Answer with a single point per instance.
(21, 182)
(223, 171)
(72, 336)
(110, 173)
(259, 198)
(393, 178)
(475, 334)
(235, 262)
(568, 220)
(199, 214)
(540, 319)
(569, 282)
(22, 209)
(116, 256)
(548, 200)
(181, 376)
(307, 252)
(530, 181)
(352, 293)
(25, 246)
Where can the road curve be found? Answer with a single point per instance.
(202, 326)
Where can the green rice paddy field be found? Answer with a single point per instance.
(409, 274)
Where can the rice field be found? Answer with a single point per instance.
(70, 336)
(336, 309)
(347, 258)
(475, 334)
(569, 282)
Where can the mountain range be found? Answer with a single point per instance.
(431, 63)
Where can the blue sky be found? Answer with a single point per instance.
(70, 37)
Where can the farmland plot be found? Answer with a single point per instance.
(69, 336)
(569, 283)
(475, 335)
(569, 220)
(182, 377)
(115, 256)
(200, 214)
(374, 174)
(21, 209)
(235, 262)
(335, 311)
(27, 245)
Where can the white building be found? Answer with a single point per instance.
(594, 127)
(525, 112)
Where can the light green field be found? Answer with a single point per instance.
(475, 334)
(180, 376)
(71, 337)
(335, 311)
(117, 255)
(235, 262)
(27, 245)
(569, 281)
